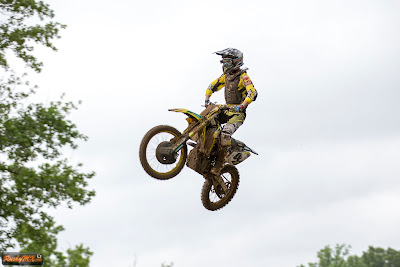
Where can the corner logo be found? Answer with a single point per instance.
(20, 258)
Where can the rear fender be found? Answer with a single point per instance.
(237, 157)
(246, 148)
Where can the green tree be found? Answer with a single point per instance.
(373, 257)
(33, 171)
(18, 33)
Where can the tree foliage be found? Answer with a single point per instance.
(339, 257)
(34, 174)
(18, 34)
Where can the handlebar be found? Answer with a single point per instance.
(221, 106)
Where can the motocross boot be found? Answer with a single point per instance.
(219, 163)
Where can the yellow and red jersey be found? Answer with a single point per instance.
(245, 87)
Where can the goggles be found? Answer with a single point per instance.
(227, 62)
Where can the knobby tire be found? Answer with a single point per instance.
(208, 187)
(143, 152)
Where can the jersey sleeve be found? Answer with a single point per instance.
(216, 85)
(251, 94)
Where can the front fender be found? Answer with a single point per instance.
(193, 119)
(187, 112)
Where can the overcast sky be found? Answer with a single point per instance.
(325, 124)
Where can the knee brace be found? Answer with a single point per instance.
(225, 138)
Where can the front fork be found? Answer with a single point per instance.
(189, 134)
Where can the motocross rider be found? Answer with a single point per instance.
(239, 93)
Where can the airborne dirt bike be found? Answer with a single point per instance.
(163, 153)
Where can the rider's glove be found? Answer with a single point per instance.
(207, 102)
(238, 108)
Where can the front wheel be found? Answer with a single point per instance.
(213, 196)
(155, 142)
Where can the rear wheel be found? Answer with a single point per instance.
(154, 156)
(213, 196)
